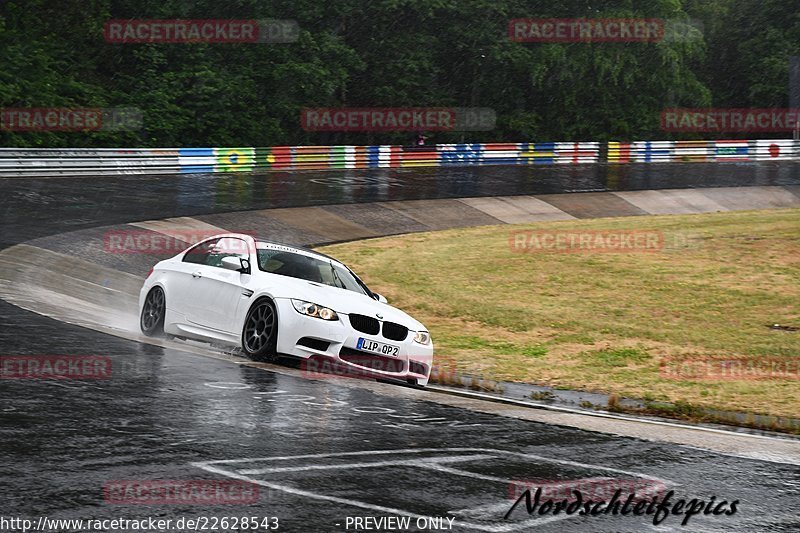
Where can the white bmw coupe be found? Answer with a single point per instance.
(271, 299)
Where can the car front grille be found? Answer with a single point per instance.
(365, 324)
(394, 332)
(372, 361)
(371, 326)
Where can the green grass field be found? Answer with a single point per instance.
(609, 322)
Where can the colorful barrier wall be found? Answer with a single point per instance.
(120, 161)
(22, 162)
(694, 151)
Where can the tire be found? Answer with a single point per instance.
(260, 332)
(154, 311)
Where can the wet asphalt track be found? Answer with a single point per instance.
(168, 414)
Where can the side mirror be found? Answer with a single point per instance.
(236, 263)
(380, 298)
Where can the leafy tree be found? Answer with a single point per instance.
(389, 53)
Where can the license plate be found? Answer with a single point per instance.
(377, 347)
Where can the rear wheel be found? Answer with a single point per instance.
(260, 332)
(153, 312)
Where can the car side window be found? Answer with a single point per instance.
(199, 254)
(211, 252)
(226, 247)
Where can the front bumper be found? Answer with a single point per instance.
(307, 337)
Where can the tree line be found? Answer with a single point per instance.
(390, 53)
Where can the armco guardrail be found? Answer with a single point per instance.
(115, 161)
(17, 162)
(698, 151)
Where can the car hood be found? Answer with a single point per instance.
(345, 302)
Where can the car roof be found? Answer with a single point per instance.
(291, 247)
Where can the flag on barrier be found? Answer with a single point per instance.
(577, 152)
(732, 150)
(281, 157)
(264, 158)
(393, 155)
(460, 154)
(311, 157)
(342, 157)
(695, 151)
(653, 151)
(537, 153)
(196, 160)
(234, 159)
(619, 152)
(768, 150)
(500, 153)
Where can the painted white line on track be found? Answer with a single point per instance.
(402, 459)
(227, 385)
(424, 463)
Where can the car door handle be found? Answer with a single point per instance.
(197, 274)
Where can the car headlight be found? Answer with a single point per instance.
(312, 309)
(422, 337)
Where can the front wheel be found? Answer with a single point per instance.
(153, 312)
(260, 332)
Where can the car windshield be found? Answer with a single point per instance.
(317, 270)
